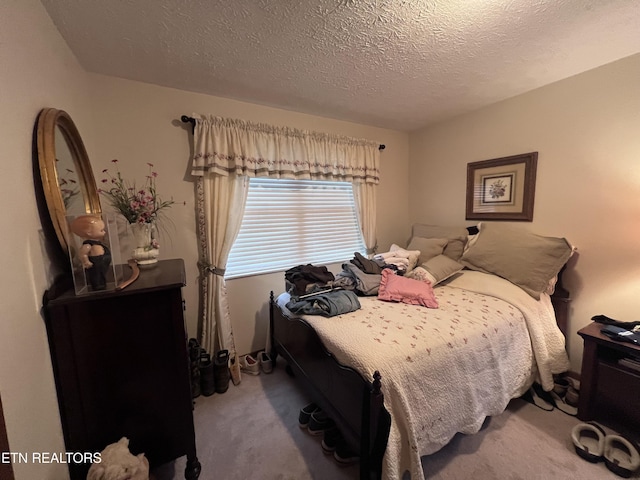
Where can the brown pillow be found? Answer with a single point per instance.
(456, 237)
(436, 270)
(428, 247)
(524, 258)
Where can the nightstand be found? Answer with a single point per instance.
(609, 390)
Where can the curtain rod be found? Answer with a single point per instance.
(192, 121)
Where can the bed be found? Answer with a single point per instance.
(400, 380)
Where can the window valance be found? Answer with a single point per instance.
(228, 146)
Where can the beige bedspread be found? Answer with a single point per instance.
(445, 370)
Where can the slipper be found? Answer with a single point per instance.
(560, 386)
(531, 398)
(538, 397)
(572, 397)
(588, 440)
(621, 456)
(563, 406)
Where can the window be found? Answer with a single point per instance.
(295, 222)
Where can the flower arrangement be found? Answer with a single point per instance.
(138, 205)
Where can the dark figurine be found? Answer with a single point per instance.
(94, 255)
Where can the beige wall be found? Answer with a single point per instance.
(585, 128)
(139, 123)
(37, 71)
(587, 132)
(135, 123)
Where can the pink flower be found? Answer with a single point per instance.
(136, 204)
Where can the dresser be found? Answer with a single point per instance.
(121, 368)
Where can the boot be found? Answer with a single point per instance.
(207, 381)
(194, 356)
(195, 380)
(194, 350)
(221, 371)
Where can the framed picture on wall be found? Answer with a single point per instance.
(502, 188)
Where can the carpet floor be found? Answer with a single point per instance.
(252, 432)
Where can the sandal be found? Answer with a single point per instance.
(588, 440)
(621, 456)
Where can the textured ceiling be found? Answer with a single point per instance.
(399, 64)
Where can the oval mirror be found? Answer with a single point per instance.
(67, 179)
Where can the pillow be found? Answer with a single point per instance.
(412, 255)
(428, 247)
(551, 286)
(471, 239)
(394, 288)
(456, 237)
(436, 270)
(525, 259)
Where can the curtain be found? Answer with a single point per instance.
(220, 209)
(227, 146)
(226, 152)
(365, 197)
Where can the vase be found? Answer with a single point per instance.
(146, 251)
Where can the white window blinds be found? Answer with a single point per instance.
(295, 222)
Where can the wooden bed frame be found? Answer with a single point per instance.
(356, 404)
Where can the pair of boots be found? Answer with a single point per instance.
(208, 376)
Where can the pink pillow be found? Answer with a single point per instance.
(394, 288)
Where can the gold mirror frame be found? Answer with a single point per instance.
(50, 122)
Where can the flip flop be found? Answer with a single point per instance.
(588, 440)
(621, 456)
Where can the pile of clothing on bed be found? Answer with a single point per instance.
(315, 290)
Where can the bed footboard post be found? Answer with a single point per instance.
(376, 423)
(274, 352)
